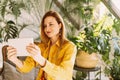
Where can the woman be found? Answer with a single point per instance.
(55, 54)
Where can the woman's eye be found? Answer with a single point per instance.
(51, 24)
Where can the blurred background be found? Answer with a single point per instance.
(22, 18)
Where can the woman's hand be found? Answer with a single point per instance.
(33, 50)
(35, 53)
(11, 53)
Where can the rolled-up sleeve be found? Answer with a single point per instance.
(28, 65)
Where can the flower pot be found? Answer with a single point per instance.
(86, 60)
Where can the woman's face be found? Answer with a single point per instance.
(51, 27)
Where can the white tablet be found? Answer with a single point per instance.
(20, 44)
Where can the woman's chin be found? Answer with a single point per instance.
(49, 36)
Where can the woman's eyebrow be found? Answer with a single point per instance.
(50, 22)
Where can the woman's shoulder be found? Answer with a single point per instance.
(69, 43)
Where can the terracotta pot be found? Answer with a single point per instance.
(85, 60)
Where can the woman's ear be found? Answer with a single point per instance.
(60, 25)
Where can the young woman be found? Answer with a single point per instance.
(55, 54)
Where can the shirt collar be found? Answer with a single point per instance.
(57, 43)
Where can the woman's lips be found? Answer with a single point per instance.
(48, 32)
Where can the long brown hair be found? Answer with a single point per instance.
(44, 37)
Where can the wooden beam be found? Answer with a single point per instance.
(112, 8)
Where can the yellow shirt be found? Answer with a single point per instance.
(60, 61)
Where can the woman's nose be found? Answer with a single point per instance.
(47, 28)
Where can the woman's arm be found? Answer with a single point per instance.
(34, 59)
(28, 65)
(35, 53)
(22, 66)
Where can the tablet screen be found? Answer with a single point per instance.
(20, 44)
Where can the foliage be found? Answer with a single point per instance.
(116, 43)
(82, 8)
(9, 28)
(80, 75)
(116, 26)
(94, 38)
(26, 14)
(10, 7)
(8, 31)
(113, 67)
(113, 70)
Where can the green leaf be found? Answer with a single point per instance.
(116, 46)
(15, 7)
(11, 30)
(3, 8)
(116, 26)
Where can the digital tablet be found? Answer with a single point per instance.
(20, 44)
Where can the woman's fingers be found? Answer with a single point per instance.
(34, 46)
(11, 51)
(10, 55)
(33, 49)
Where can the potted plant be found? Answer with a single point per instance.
(92, 40)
